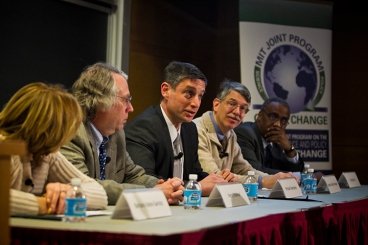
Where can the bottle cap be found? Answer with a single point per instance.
(76, 181)
(250, 172)
(193, 176)
(310, 170)
(306, 165)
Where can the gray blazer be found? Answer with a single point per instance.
(121, 172)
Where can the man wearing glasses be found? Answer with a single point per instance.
(99, 149)
(218, 148)
(264, 142)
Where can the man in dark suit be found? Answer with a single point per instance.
(98, 149)
(152, 135)
(264, 143)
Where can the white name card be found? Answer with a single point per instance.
(228, 195)
(349, 179)
(141, 204)
(287, 188)
(328, 183)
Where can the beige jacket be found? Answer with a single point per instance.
(209, 149)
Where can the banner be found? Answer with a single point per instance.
(285, 51)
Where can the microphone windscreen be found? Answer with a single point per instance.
(28, 182)
(179, 155)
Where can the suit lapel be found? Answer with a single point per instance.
(111, 152)
(260, 141)
(167, 140)
(93, 146)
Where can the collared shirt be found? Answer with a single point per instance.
(219, 134)
(97, 136)
(173, 134)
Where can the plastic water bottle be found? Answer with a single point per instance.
(310, 182)
(305, 171)
(251, 187)
(192, 193)
(303, 175)
(75, 203)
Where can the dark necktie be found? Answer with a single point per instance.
(102, 158)
(268, 156)
(177, 158)
(224, 143)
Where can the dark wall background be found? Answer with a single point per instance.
(50, 40)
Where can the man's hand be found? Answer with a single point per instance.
(228, 176)
(277, 135)
(173, 189)
(209, 182)
(55, 197)
(269, 181)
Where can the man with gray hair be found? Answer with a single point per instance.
(99, 148)
(218, 148)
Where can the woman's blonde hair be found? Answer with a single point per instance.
(44, 116)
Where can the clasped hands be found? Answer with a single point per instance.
(53, 201)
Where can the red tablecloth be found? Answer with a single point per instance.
(345, 223)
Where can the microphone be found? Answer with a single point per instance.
(108, 159)
(179, 155)
(223, 154)
(29, 182)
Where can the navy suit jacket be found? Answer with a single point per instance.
(250, 141)
(149, 145)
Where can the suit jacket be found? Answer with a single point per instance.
(121, 172)
(150, 146)
(250, 141)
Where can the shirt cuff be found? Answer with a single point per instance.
(293, 159)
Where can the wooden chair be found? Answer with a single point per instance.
(7, 148)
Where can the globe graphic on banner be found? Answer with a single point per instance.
(289, 74)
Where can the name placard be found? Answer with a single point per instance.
(228, 195)
(287, 188)
(141, 204)
(349, 179)
(328, 183)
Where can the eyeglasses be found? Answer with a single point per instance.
(232, 105)
(273, 117)
(127, 100)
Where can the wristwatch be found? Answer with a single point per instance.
(291, 149)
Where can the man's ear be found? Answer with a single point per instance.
(259, 115)
(216, 102)
(165, 90)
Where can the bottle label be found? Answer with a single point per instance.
(251, 189)
(192, 197)
(303, 176)
(75, 207)
(310, 184)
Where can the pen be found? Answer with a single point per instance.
(44, 217)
